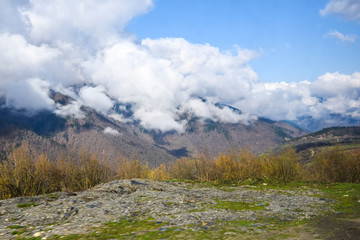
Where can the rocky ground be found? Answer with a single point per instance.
(169, 206)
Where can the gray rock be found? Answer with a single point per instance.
(178, 205)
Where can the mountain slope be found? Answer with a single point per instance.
(95, 132)
(345, 138)
(215, 137)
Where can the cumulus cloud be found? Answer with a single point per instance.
(80, 21)
(111, 131)
(30, 94)
(347, 9)
(82, 49)
(340, 36)
(20, 59)
(96, 98)
(73, 109)
(331, 93)
(157, 76)
(20, 71)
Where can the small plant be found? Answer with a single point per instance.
(16, 227)
(52, 196)
(27, 205)
(18, 232)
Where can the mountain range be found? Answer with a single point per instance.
(49, 133)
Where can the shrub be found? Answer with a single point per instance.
(228, 167)
(79, 171)
(128, 169)
(159, 174)
(285, 165)
(336, 165)
(184, 168)
(23, 173)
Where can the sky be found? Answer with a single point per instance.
(294, 39)
(279, 59)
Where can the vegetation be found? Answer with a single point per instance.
(27, 205)
(336, 166)
(24, 173)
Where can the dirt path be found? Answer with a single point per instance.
(331, 228)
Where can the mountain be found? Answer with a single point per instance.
(214, 137)
(345, 138)
(335, 120)
(49, 133)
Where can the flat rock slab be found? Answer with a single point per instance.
(177, 204)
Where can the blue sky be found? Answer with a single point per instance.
(291, 36)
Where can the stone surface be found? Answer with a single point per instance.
(177, 204)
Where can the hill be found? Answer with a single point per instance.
(344, 138)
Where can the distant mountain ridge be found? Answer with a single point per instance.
(46, 132)
(336, 120)
(344, 138)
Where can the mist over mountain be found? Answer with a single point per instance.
(311, 124)
(95, 132)
(54, 45)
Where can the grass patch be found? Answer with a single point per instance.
(346, 196)
(18, 232)
(123, 229)
(27, 205)
(52, 196)
(196, 210)
(15, 227)
(238, 206)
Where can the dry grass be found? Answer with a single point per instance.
(24, 173)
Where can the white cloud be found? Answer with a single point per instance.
(95, 97)
(76, 21)
(119, 117)
(331, 93)
(30, 94)
(336, 84)
(20, 59)
(111, 131)
(208, 110)
(347, 9)
(158, 76)
(21, 73)
(340, 36)
(72, 109)
(206, 71)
